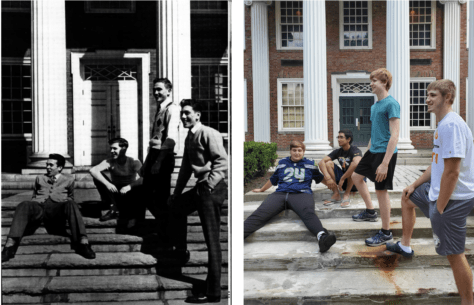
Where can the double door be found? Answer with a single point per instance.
(354, 115)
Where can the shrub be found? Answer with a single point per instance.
(258, 158)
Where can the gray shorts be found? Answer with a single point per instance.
(449, 229)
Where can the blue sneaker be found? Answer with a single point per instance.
(397, 249)
(379, 239)
(365, 216)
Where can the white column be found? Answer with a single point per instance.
(470, 93)
(260, 71)
(315, 77)
(48, 63)
(173, 54)
(452, 45)
(398, 63)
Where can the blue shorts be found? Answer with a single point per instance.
(449, 229)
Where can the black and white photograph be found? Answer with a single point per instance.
(116, 152)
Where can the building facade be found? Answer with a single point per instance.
(77, 73)
(307, 67)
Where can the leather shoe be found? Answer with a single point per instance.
(9, 253)
(109, 216)
(202, 299)
(326, 241)
(85, 251)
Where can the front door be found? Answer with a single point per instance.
(354, 114)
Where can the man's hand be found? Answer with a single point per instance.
(125, 189)
(155, 169)
(171, 199)
(257, 190)
(112, 188)
(381, 172)
(331, 183)
(341, 182)
(408, 191)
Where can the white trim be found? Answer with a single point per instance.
(278, 28)
(433, 31)
(281, 81)
(467, 100)
(246, 116)
(336, 80)
(16, 60)
(341, 28)
(82, 116)
(432, 116)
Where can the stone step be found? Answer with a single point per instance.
(348, 254)
(386, 285)
(335, 210)
(283, 229)
(412, 160)
(75, 289)
(109, 298)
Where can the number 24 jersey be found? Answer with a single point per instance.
(296, 177)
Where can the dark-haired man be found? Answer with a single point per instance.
(53, 204)
(336, 177)
(163, 146)
(116, 191)
(205, 156)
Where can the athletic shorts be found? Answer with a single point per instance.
(449, 229)
(339, 173)
(368, 166)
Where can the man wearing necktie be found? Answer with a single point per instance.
(160, 161)
(205, 156)
(53, 204)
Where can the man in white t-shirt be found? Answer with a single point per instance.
(116, 191)
(447, 206)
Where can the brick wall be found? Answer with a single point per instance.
(341, 61)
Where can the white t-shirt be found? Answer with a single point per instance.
(453, 139)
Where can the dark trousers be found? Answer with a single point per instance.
(209, 209)
(125, 203)
(301, 203)
(156, 189)
(29, 215)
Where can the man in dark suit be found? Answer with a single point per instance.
(52, 203)
(205, 156)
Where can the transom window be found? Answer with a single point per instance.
(16, 6)
(110, 72)
(422, 24)
(209, 7)
(356, 25)
(289, 23)
(355, 88)
(16, 99)
(290, 105)
(419, 116)
(209, 84)
(110, 7)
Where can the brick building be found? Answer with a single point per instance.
(76, 73)
(343, 42)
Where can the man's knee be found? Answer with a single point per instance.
(407, 203)
(26, 205)
(357, 178)
(329, 163)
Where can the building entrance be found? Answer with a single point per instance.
(354, 114)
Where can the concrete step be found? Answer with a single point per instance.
(109, 298)
(386, 285)
(348, 254)
(75, 289)
(284, 229)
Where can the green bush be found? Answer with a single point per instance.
(258, 158)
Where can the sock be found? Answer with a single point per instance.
(370, 211)
(10, 242)
(84, 240)
(386, 232)
(404, 248)
(321, 234)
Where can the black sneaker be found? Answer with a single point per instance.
(395, 247)
(109, 216)
(202, 299)
(9, 252)
(326, 241)
(85, 251)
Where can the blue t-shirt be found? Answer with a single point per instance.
(380, 114)
(296, 177)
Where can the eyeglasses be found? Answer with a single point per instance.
(341, 137)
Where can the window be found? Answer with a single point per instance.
(422, 24)
(289, 24)
(16, 6)
(120, 7)
(209, 84)
(16, 99)
(110, 72)
(355, 18)
(209, 7)
(290, 104)
(419, 116)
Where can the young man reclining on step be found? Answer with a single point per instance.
(294, 176)
(339, 178)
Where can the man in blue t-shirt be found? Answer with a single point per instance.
(378, 163)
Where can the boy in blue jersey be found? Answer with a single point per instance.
(378, 163)
(294, 176)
